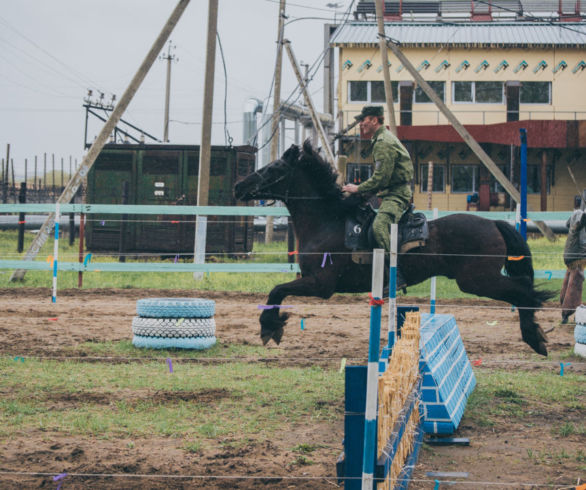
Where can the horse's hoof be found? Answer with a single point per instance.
(275, 335)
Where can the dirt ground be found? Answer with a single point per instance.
(334, 330)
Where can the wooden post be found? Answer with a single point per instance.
(21, 217)
(269, 226)
(379, 6)
(203, 181)
(100, 141)
(543, 180)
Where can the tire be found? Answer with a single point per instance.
(580, 334)
(175, 308)
(198, 343)
(581, 315)
(580, 350)
(173, 327)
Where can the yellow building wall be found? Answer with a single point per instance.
(568, 94)
(568, 101)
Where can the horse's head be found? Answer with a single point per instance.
(270, 182)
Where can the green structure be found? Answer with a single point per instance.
(166, 175)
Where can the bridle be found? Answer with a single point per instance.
(265, 183)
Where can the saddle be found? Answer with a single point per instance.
(359, 237)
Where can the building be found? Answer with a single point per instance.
(499, 67)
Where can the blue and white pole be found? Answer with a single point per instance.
(523, 183)
(56, 252)
(393, 287)
(368, 456)
(433, 279)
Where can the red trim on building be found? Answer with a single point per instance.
(540, 134)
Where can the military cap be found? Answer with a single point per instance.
(370, 110)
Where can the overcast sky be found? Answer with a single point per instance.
(52, 52)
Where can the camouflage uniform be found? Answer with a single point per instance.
(391, 181)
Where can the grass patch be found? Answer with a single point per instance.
(199, 402)
(546, 255)
(504, 396)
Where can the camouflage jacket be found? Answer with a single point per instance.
(393, 171)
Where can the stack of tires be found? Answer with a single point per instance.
(182, 323)
(580, 331)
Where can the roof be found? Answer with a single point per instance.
(481, 34)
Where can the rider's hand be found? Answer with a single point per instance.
(351, 188)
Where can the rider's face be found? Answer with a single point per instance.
(368, 126)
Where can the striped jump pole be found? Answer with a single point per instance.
(433, 279)
(393, 287)
(369, 454)
(56, 252)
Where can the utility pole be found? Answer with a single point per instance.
(5, 175)
(379, 6)
(169, 58)
(205, 149)
(102, 138)
(276, 106)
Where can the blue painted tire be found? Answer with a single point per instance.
(581, 315)
(198, 343)
(580, 334)
(173, 327)
(175, 308)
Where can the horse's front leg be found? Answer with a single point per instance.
(272, 321)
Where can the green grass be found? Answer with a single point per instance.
(547, 256)
(519, 396)
(197, 402)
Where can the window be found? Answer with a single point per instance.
(356, 173)
(489, 92)
(371, 91)
(439, 178)
(478, 92)
(465, 178)
(494, 185)
(463, 91)
(422, 98)
(535, 93)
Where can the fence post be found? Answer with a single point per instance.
(433, 279)
(21, 217)
(523, 183)
(122, 239)
(56, 252)
(368, 457)
(393, 286)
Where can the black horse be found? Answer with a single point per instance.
(469, 249)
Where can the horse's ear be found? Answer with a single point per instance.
(291, 154)
(307, 148)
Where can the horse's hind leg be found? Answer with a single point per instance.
(517, 292)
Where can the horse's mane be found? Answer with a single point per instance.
(323, 176)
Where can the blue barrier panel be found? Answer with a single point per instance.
(448, 379)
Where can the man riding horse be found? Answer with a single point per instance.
(391, 180)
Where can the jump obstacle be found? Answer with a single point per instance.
(423, 379)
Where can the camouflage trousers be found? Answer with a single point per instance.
(389, 212)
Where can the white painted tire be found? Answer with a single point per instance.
(580, 350)
(173, 327)
(175, 308)
(580, 334)
(581, 315)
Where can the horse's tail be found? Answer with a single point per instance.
(517, 247)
